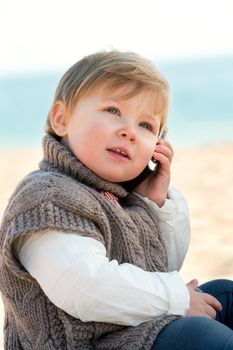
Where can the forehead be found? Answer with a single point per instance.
(124, 91)
(144, 97)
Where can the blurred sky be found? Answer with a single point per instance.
(41, 35)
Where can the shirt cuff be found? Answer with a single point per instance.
(178, 294)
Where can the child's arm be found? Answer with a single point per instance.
(155, 186)
(76, 275)
(174, 222)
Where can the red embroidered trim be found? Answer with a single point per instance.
(110, 196)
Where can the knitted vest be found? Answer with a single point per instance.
(65, 195)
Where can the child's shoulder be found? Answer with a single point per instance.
(42, 186)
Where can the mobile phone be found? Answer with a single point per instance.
(152, 167)
(153, 164)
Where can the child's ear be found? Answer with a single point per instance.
(58, 118)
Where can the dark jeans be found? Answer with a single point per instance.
(202, 333)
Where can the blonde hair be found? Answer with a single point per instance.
(114, 69)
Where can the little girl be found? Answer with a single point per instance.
(86, 263)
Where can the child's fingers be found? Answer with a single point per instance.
(213, 302)
(193, 284)
(164, 150)
(163, 160)
(166, 144)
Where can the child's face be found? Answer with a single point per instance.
(113, 136)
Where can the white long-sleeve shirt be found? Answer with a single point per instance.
(77, 276)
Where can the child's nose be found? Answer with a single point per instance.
(128, 133)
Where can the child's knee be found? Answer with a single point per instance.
(195, 333)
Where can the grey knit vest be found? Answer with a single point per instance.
(65, 195)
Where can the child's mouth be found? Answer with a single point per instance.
(119, 152)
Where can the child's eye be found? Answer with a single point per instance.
(114, 110)
(146, 126)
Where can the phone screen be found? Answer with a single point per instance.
(150, 168)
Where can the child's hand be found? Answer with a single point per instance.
(156, 185)
(202, 304)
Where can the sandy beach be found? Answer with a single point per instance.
(203, 175)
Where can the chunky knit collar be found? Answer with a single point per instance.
(59, 159)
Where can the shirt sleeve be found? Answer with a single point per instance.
(174, 222)
(76, 275)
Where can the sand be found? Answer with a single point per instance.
(204, 175)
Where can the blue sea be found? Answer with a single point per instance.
(201, 107)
